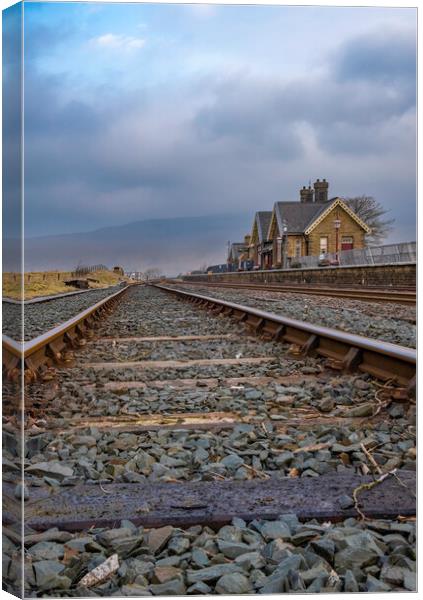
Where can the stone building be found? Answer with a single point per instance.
(259, 243)
(238, 253)
(315, 225)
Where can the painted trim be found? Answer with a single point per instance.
(325, 213)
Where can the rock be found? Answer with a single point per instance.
(350, 582)
(364, 410)
(409, 581)
(158, 538)
(178, 545)
(233, 583)
(284, 458)
(272, 530)
(326, 405)
(210, 573)
(345, 502)
(277, 550)
(174, 587)
(51, 535)
(232, 461)
(275, 583)
(199, 557)
(392, 575)
(46, 551)
(121, 540)
(199, 588)
(351, 558)
(133, 589)
(319, 571)
(52, 469)
(250, 560)
(48, 575)
(396, 411)
(325, 548)
(232, 549)
(163, 574)
(374, 585)
(359, 384)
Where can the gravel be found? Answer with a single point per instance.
(294, 428)
(390, 322)
(41, 317)
(352, 556)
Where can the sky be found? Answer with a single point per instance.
(136, 111)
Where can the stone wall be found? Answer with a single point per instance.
(400, 275)
(326, 228)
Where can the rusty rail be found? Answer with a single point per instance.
(48, 348)
(344, 351)
(366, 294)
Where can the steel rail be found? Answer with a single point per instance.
(47, 347)
(367, 294)
(345, 351)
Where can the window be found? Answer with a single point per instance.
(297, 248)
(324, 245)
(347, 242)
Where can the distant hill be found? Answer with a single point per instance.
(172, 245)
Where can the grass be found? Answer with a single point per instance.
(52, 282)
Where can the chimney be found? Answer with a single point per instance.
(321, 189)
(306, 194)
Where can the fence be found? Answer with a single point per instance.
(377, 255)
(84, 270)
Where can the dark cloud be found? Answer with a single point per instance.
(228, 143)
(388, 56)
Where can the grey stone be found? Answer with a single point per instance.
(199, 557)
(325, 548)
(178, 545)
(158, 538)
(233, 583)
(52, 469)
(345, 502)
(275, 583)
(48, 575)
(174, 587)
(250, 560)
(46, 551)
(350, 582)
(353, 558)
(326, 405)
(133, 589)
(272, 530)
(232, 461)
(199, 588)
(375, 585)
(210, 573)
(409, 582)
(232, 549)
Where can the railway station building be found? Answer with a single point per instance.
(313, 226)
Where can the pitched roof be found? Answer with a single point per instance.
(263, 218)
(298, 215)
(236, 249)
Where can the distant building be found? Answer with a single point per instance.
(239, 255)
(315, 225)
(260, 246)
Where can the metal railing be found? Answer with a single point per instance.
(378, 255)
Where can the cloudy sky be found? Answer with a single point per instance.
(146, 111)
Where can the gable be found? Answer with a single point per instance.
(337, 203)
(254, 233)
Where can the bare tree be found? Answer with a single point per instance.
(152, 273)
(372, 213)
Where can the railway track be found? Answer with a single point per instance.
(178, 436)
(396, 296)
